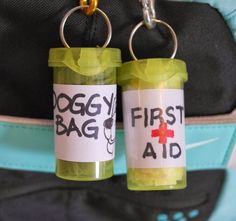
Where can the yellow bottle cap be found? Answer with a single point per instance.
(152, 70)
(85, 61)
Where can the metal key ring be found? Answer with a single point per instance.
(64, 19)
(174, 37)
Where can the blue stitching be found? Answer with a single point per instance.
(22, 165)
(26, 127)
(230, 15)
(49, 128)
(211, 127)
(36, 127)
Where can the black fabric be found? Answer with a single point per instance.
(29, 28)
(39, 196)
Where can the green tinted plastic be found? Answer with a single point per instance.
(85, 61)
(84, 66)
(150, 74)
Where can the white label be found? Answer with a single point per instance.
(84, 122)
(154, 128)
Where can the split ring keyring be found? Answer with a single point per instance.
(64, 19)
(172, 32)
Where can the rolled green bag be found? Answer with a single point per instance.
(153, 111)
(84, 102)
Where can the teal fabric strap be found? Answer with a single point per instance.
(30, 147)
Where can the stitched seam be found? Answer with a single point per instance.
(24, 165)
(211, 127)
(47, 128)
(204, 166)
(25, 127)
(118, 130)
(231, 14)
(230, 149)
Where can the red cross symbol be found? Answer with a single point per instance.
(163, 133)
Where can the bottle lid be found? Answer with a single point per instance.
(152, 70)
(85, 61)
